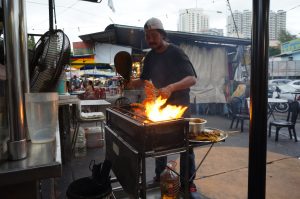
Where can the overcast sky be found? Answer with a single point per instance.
(80, 17)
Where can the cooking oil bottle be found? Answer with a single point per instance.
(169, 182)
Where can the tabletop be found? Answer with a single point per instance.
(296, 92)
(100, 102)
(67, 99)
(43, 161)
(276, 100)
(77, 92)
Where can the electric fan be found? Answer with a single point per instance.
(51, 53)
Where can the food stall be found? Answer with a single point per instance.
(258, 100)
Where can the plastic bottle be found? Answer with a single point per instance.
(80, 145)
(169, 182)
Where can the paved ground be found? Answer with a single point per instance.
(224, 173)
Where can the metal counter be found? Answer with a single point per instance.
(43, 161)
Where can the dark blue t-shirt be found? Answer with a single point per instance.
(166, 68)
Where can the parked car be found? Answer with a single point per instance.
(295, 83)
(275, 82)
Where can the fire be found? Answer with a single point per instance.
(156, 111)
(154, 106)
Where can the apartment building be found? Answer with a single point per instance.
(241, 26)
(193, 20)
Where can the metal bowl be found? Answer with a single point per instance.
(196, 126)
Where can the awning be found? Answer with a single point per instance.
(134, 37)
(95, 66)
(97, 75)
(89, 66)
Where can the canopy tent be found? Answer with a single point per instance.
(134, 36)
(97, 75)
(95, 66)
(68, 68)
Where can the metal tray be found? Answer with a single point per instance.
(222, 137)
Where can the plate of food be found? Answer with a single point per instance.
(209, 135)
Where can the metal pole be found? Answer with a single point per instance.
(258, 102)
(15, 34)
(24, 47)
(51, 15)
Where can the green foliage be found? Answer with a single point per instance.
(30, 42)
(286, 36)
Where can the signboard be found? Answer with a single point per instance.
(82, 48)
(290, 46)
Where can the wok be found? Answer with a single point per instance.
(123, 64)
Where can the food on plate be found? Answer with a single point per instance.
(212, 135)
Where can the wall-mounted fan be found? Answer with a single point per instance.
(51, 53)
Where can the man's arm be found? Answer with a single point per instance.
(186, 82)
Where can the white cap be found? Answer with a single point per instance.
(153, 24)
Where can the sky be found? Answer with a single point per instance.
(77, 17)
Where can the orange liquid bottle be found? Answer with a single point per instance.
(169, 182)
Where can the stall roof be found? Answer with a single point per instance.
(134, 37)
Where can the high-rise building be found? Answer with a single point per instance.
(193, 20)
(272, 25)
(243, 24)
(281, 22)
(246, 23)
(234, 28)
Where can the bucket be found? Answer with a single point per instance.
(42, 116)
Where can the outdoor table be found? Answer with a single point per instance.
(100, 104)
(295, 93)
(77, 92)
(64, 118)
(272, 103)
(21, 178)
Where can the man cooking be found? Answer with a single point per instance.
(171, 71)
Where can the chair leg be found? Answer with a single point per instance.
(277, 132)
(74, 138)
(242, 125)
(232, 121)
(102, 130)
(295, 135)
(237, 122)
(270, 130)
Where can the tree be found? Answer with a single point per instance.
(30, 42)
(285, 36)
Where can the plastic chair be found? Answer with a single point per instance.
(289, 123)
(238, 111)
(86, 117)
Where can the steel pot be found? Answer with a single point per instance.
(196, 125)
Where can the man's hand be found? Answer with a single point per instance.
(166, 92)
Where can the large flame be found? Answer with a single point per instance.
(156, 112)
